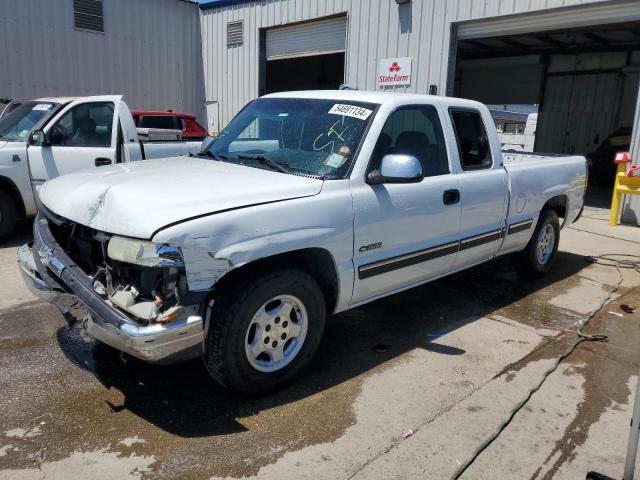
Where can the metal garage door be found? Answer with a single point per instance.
(578, 111)
(313, 38)
(553, 19)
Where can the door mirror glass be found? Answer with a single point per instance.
(397, 168)
(39, 139)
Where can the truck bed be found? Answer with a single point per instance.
(510, 156)
(534, 177)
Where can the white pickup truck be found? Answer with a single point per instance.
(44, 138)
(308, 203)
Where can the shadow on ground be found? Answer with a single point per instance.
(22, 234)
(598, 196)
(185, 401)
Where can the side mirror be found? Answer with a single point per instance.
(397, 168)
(206, 143)
(39, 139)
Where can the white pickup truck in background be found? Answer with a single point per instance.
(307, 203)
(45, 138)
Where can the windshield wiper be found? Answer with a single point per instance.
(214, 155)
(261, 159)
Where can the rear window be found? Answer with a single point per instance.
(473, 143)
(159, 121)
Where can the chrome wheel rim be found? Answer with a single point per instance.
(545, 244)
(276, 333)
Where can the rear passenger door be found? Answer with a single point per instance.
(406, 233)
(483, 188)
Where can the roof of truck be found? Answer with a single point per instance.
(378, 97)
(57, 99)
(163, 113)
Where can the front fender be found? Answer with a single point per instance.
(205, 263)
(214, 245)
(253, 249)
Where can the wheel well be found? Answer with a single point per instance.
(558, 204)
(317, 262)
(10, 188)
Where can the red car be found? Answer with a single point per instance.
(169, 119)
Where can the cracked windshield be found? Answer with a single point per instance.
(299, 136)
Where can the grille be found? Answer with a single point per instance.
(86, 247)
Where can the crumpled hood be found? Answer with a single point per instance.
(137, 199)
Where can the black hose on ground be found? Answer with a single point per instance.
(620, 262)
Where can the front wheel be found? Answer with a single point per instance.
(538, 257)
(261, 335)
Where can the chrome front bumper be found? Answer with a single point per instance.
(52, 276)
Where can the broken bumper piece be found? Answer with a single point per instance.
(51, 275)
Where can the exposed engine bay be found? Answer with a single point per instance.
(145, 280)
(148, 293)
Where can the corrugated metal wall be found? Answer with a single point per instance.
(376, 29)
(150, 52)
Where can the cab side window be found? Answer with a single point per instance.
(86, 125)
(160, 121)
(414, 130)
(473, 143)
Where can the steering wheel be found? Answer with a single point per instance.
(59, 134)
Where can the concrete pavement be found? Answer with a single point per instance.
(14, 292)
(463, 352)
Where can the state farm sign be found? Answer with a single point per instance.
(394, 71)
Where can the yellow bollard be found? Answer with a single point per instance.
(625, 183)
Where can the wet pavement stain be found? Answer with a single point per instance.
(606, 369)
(92, 397)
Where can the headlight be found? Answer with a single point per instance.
(147, 254)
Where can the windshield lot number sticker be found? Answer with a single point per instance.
(350, 111)
(42, 106)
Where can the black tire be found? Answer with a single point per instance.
(527, 261)
(8, 215)
(229, 321)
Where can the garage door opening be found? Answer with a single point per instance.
(317, 72)
(305, 56)
(568, 91)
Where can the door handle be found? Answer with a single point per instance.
(101, 161)
(451, 197)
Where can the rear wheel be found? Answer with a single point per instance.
(8, 215)
(264, 333)
(537, 259)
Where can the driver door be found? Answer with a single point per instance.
(83, 135)
(408, 232)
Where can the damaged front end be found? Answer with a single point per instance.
(136, 291)
(144, 279)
